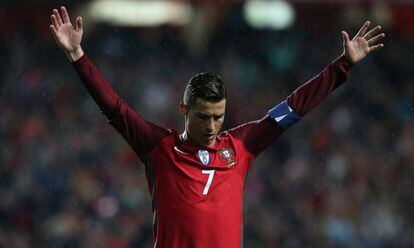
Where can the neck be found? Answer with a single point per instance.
(184, 137)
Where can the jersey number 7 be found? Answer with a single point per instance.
(209, 180)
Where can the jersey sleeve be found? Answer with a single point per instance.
(140, 134)
(257, 135)
(311, 94)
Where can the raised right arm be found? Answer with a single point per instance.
(142, 135)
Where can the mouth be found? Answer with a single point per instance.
(209, 136)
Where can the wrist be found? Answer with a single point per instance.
(344, 62)
(74, 55)
(347, 59)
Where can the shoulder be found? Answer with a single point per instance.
(168, 140)
(265, 126)
(256, 135)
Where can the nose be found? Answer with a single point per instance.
(210, 125)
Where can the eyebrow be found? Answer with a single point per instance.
(205, 114)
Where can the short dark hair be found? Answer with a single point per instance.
(207, 86)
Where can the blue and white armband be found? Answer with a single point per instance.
(284, 115)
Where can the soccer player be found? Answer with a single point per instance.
(196, 178)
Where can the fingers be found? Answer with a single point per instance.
(363, 29)
(54, 21)
(79, 23)
(58, 18)
(372, 32)
(345, 37)
(376, 39)
(376, 47)
(54, 31)
(373, 38)
(65, 14)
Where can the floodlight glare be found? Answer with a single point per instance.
(275, 14)
(140, 13)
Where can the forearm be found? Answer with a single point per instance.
(312, 93)
(101, 91)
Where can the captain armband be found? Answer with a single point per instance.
(284, 115)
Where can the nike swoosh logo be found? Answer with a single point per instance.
(178, 150)
(280, 117)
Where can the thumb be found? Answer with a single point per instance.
(79, 24)
(345, 38)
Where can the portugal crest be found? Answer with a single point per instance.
(227, 154)
(204, 157)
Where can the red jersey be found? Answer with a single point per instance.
(197, 191)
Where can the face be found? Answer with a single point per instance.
(203, 121)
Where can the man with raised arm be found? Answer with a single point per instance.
(196, 178)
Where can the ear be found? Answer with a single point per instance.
(183, 108)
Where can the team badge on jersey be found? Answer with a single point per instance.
(204, 157)
(227, 154)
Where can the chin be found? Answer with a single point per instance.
(209, 143)
(205, 142)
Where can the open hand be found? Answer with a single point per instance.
(66, 36)
(363, 43)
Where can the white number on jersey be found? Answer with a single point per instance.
(209, 180)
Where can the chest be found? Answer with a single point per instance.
(201, 175)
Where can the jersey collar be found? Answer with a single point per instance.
(195, 148)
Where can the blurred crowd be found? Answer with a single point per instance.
(342, 177)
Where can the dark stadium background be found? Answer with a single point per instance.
(342, 177)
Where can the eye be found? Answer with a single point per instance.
(203, 117)
(216, 118)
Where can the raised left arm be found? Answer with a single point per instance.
(312, 93)
(257, 135)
